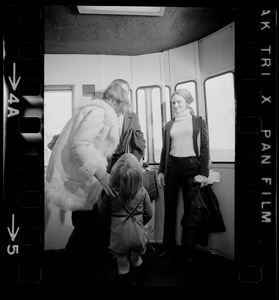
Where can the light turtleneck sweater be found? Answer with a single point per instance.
(182, 135)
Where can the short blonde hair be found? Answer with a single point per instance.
(126, 176)
(185, 94)
(121, 81)
(115, 93)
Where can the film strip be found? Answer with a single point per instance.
(256, 154)
(255, 175)
(23, 189)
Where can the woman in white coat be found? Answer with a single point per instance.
(76, 177)
(76, 172)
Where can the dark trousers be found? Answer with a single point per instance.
(180, 173)
(81, 256)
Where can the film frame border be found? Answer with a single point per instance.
(256, 145)
(23, 149)
(256, 155)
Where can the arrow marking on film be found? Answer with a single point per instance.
(14, 83)
(12, 232)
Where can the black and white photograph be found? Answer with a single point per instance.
(176, 67)
(139, 142)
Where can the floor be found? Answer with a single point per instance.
(208, 274)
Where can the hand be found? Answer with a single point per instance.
(161, 180)
(201, 179)
(149, 228)
(105, 184)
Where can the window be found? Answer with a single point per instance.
(149, 109)
(157, 123)
(220, 104)
(142, 114)
(57, 112)
(191, 86)
(130, 97)
(168, 104)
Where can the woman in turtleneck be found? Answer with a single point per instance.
(184, 159)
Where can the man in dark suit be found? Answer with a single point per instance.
(131, 136)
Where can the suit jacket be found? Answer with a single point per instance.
(200, 142)
(131, 121)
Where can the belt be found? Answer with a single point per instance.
(184, 157)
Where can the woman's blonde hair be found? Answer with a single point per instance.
(121, 81)
(126, 177)
(185, 94)
(116, 94)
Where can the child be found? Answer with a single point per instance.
(129, 211)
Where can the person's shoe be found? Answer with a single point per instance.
(123, 280)
(139, 275)
(187, 260)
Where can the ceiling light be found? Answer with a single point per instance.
(122, 10)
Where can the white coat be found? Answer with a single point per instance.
(84, 145)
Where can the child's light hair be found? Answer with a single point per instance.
(126, 176)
